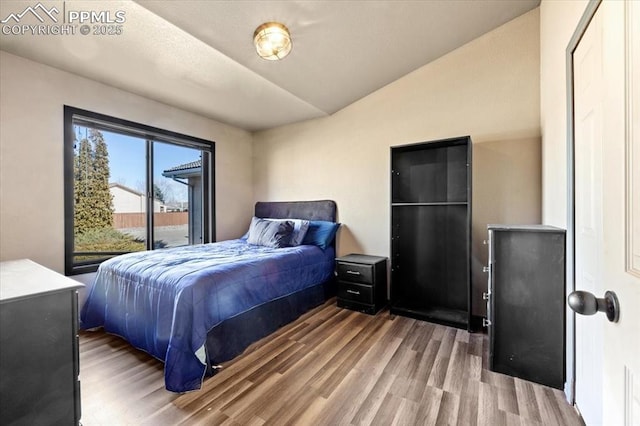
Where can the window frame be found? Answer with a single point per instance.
(74, 116)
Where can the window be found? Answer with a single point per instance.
(131, 187)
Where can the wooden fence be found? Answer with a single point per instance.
(139, 220)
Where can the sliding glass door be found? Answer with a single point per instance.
(130, 188)
(177, 183)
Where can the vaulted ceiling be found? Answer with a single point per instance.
(199, 56)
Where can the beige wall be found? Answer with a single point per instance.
(31, 155)
(488, 89)
(558, 21)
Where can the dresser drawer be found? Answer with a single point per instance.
(355, 272)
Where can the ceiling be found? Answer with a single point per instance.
(199, 56)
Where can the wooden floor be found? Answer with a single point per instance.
(330, 367)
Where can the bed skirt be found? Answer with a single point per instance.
(231, 337)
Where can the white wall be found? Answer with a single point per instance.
(488, 89)
(31, 154)
(127, 202)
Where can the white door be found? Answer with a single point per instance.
(607, 213)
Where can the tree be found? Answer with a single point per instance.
(82, 186)
(93, 200)
(158, 193)
(102, 198)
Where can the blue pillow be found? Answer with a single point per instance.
(320, 233)
(269, 233)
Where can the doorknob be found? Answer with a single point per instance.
(585, 303)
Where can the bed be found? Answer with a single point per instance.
(197, 306)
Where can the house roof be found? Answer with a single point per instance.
(186, 166)
(125, 188)
(184, 170)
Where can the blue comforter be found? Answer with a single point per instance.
(165, 301)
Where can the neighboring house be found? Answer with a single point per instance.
(190, 174)
(127, 200)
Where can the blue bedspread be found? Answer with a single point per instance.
(165, 301)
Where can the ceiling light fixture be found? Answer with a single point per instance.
(272, 41)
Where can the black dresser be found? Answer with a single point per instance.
(526, 302)
(39, 362)
(362, 282)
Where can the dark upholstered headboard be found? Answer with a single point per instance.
(309, 210)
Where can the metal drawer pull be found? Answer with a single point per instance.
(353, 292)
(353, 272)
(485, 269)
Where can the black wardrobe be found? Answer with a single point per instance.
(431, 231)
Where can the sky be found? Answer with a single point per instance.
(127, 163)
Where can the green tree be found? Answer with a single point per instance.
(102, 198)
(82, 187)
(93, 200)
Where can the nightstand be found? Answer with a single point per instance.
(362, 282)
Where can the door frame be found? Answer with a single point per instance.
(570, 359)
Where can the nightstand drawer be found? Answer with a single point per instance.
(355, 272)
(356, 292)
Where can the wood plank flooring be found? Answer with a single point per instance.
(330, 367)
